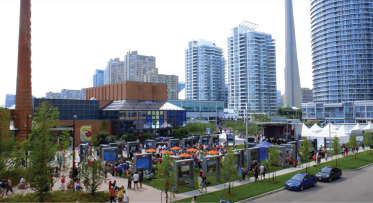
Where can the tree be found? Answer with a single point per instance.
(298, 114)
(261, 117)
(305, 150)
(353, 143)
(240, 127)
(129, 137)
(165, 176)
(7, 142)
(367, 140)
(336, 148)
(273, 159)
(229, 169)
(90, 172)
(41, 143)
(101, 138)
(103, 126)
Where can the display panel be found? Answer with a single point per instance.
(211, 166)
(184, 171)
(215, 139)
(144, 163)
(133, 148)
(230, 138)
(174, 144)
(188, 143)
(110, 156)
(205, 140)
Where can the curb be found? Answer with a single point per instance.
(261, 195)
(356, 169)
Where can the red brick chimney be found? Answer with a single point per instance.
(24, 90)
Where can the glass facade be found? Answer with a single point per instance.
(346, 112)
(204, 71)
(251, 71)
(341, 33)
(84, 109)
(98, 78)
(157, 117)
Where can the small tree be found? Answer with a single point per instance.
(261, 117)
(7, 142)
(229, 169)
(273, 159)
(305, 150)
(367, 140)
(165, 176)
(353, 143)
(90, 172)
(43, 148)
(336, 148)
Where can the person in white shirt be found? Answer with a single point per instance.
(136, 180)
(126, 199)
(261, 169)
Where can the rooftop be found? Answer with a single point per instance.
(134, 105)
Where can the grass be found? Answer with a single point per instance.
(253, 189)
(59, 196)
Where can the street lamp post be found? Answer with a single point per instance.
(73, 169)
(330, 136)
(28, 116)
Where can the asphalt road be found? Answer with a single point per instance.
(354, 186)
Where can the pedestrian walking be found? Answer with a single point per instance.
(3, 187)
(120, 194)
(240, 173)
(262, 174)
(204, 183)
(326, 156)
(105, 174)
(136, 180)
(243, 173)
(141, 176)
(63, 183)
(129, 178)
(299, 159)
(120, 170)
(126, 199)
(9, 186)
(256, 173)
(199, 180)
(295, 164)
(112, 194)
(173, 190)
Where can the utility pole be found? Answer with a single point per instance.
(73, 169)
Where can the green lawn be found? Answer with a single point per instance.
(253, 189)
(59, 196)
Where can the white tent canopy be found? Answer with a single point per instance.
(306, 132)
(369, 127)
(358, 127)
(315, 128)
(344, 133)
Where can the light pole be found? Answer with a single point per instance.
(330, 136)
(73, 169)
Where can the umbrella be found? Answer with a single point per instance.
(166, 152)
(191, 150)
(151, 150)
(175, 148)
(212, 152)
(185, 155)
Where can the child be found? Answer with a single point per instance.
(173, 190)
(295, 163)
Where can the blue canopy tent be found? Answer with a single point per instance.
(263, 149)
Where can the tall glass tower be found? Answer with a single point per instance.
(341, 32)
(204, 71)
(251, 70)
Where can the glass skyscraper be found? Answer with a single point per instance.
(204, 71)
(251, 71)
(341, 32)
(98, 78)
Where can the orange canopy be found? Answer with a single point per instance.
(166, 152)
(151, 150)
(212, 152)
(191, 150)
(185, 155)
(175, 148)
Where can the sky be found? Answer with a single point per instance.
(73, 38)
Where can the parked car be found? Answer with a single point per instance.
(300, 181)
(329, 173)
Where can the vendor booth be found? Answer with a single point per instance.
(187, 143)
(110, 154)
(83, 151)
(231, 138)
(290, 150)
(149, 144)
(263, 149)
(133, 147)
(240, 153)
(185, 171)
(211, 166)
(205, 140)
(252, 157)
(142, 160)
(173, 143)
(214, 139)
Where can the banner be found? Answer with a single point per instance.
(85, 133)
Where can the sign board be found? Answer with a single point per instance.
(110, 154)
(185, 171)
(211, 165)
(208, 131)
(143, 160)
(132, 147)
